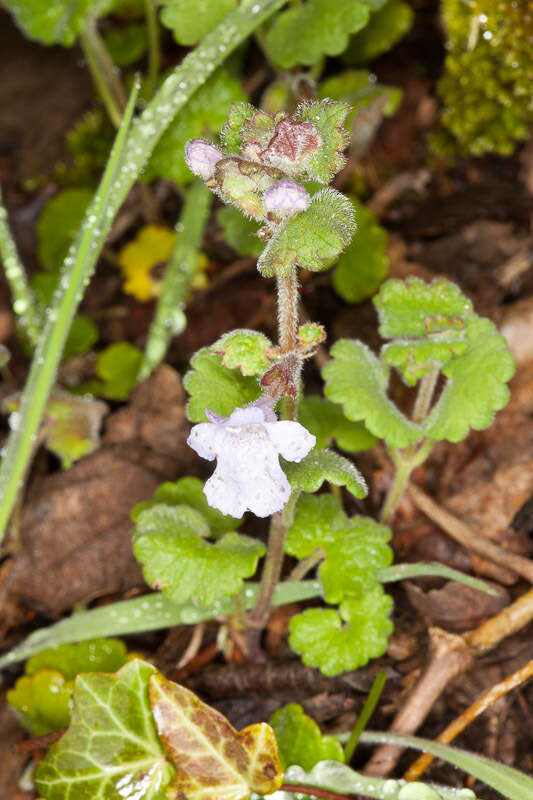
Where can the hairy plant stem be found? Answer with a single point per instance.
(288, 317)
(412, 457)
(103, 71)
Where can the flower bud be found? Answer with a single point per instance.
(285, 199)
(202, 157)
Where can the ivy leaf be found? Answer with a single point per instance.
(93, 655)
(326, 421)
(353, 560)
(71, 425)
(111, 749)
(312, 238)
(364, 264)
(239, 232)
(126, 45)
(323, 465)
(304, 34)
(211, 757)
(191, 20)
(415, 308)
(212, 385)
(248, 351)
(300, 740)
(54, 21)
(336, 642)
(42, 696)
(58, 224)
(175, 558)
(138, 260)
(328, 117)
(358, 380)
(386, 27)
(318, 520)
(42, 701)
(117, 368)
(476, 384)
(189, 492)
(204, 114)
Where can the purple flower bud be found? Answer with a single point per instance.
(285, 198)
(202, 157)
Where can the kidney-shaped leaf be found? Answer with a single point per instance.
(211, 758)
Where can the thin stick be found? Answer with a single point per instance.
(462, 533)
(475, 710)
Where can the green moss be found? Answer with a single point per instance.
(486, 85)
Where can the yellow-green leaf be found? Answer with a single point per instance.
(211, 758)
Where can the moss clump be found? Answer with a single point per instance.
(486, 85)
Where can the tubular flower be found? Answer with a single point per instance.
(247, 446)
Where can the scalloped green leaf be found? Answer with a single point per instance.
(239, 232)
(413, 358)
(117, 368)
(336, 642)
(358, 88)
(353, 559)
(191, 20)
(212, 759)
(127, 45)
(386, 27)
(300, 740)
(364, 265)
(42, 701)
(324, 465)
(55, 21)
(413, 307)
(168, 542)
(111, 749)
(302, 35)
(328, 117)
(204, 114)
(312, 238)
(318, 521)
(358, 380)
(189, 492)
(476, 386)
(58, 224)
(246, 350)
(212, 385)
(326, 421)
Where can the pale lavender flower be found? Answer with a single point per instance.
(247, 446)
(202, 157)
(285, 198)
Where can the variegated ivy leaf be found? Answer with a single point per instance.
(325, 465)
(191, 20)
(414, 308)
(353, 559)
(189, 492)
(319, 520)
(169, 543)
(212, 385)
(358, 380)
(111, 749)
(55, 21)
(336, 642)
(326, 421)
(311, 239)
(305, 33)
(300, 740)
(476, 386)
(328, 117)
(212, 759)
(245, 350)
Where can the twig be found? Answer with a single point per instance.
(462, 533)
(463, 720)
(39, 742)
(193, 646)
